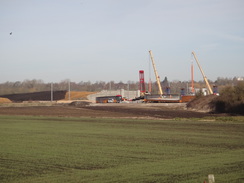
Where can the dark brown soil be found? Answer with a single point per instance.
(153, 112)
(83, 109)
(123, 111)
(204, 103)
(36, 96)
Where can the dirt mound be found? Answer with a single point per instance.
(5, 100)
(76, 95)
(79, 103)
(36, 96)
(203, 104)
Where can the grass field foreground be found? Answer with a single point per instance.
(55, 149)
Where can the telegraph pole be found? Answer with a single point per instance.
(51, 92)
(69, 89)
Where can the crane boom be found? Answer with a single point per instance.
(156, 74)
(204, 77)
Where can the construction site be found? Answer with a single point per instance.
(141, 102)
(145, 94)
(57, 135)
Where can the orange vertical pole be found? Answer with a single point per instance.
(150, 86)
(192, 78)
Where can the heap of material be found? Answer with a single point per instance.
(5, 100)
(77, 95)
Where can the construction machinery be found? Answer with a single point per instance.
(156, 74)
(160, 97)
(142, 86)
(192, 79)
(204, 76)
(109, 99)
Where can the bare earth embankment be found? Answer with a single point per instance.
(195, 109)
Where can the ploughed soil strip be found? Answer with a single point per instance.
(101, 111)
(159, 112)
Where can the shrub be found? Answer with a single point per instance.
(231, 99)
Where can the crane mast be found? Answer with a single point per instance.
(156, 74)
(204, 77)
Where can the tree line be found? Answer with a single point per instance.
(175, 86)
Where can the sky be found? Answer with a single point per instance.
(109, 40)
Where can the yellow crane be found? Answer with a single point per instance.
(156, 74)
(204, 77)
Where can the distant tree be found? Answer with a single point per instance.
(165, 84)
(38, 85)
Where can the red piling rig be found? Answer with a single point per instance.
(142, 82)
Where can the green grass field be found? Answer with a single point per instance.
(55, 149)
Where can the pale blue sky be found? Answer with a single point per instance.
(109, 40)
